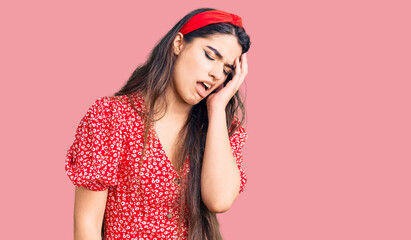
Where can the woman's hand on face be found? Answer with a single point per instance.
(223, 94)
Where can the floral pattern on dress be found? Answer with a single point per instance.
(106, 154)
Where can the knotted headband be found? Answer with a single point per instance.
(209, 17)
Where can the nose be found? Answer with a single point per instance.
(217, 72)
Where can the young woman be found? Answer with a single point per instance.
(163, 155)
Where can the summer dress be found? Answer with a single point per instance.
(106, 154)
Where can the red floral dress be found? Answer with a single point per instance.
(106, 154)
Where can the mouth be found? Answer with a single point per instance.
(207, 86)
(203, 88)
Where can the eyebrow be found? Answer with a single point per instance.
(220, 56)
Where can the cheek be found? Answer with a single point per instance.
(192, 67)
(182, 68)
(188, 66)
(200, 65)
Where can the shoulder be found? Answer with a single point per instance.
(117, 105)
(114, 103)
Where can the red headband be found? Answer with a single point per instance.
(209, 17)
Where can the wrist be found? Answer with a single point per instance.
(216, 115)
(215, 111)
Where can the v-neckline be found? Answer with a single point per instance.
(156, 138)
(160, 145)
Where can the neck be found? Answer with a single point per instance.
(176, 107)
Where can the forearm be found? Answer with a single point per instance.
(220, 176)
(89, 207)
(84, 230)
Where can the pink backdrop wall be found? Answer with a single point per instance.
(328, 98)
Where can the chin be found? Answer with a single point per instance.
(195, 101)
(191, 100)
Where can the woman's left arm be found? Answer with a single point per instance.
(220, 176)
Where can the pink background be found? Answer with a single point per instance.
(328, 98)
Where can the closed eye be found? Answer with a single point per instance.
(212, 59)
(208, 56)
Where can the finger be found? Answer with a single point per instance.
(237, 71)
(238, 67)
(243, 74)
(244, 64)
(244, 67)
(233, 84)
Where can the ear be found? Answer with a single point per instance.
(178, 43)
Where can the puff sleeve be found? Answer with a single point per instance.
(237, 142)
(92, 160)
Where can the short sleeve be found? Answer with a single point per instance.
(92, 160)
(237, 142)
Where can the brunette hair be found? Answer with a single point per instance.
(152, 79)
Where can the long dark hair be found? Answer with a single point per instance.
(152, 79)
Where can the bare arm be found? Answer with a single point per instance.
(89, 207)
(220, 176)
